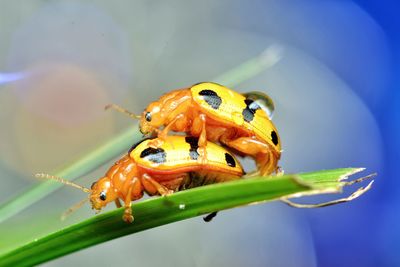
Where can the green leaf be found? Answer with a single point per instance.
(179, 206)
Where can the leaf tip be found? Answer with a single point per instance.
(360, 191)
(351, 172)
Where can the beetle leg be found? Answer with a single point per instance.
(134, 192)
(210, 216)
(118, 203)
(150, 189)
(153, 187)
(176, 183)
(279, 171)
(267, 163)
(220, 134)
(247, 145)
(199, 129)
(162, 135)
(265, 158)
(127, 217)
(203, 133)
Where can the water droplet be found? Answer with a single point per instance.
(263, 100)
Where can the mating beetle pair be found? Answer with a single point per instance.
(208, 113)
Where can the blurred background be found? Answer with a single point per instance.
(331, 70)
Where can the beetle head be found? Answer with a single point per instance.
(102, 193)
(152, 118)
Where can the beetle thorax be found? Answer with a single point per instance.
(174, 106)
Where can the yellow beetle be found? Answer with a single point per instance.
(173, 166)
(216, 113)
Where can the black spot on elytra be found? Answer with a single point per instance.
(250, 110)
(156, 155)
(230, 160)
(274, 137)
(193, 142)
(136, 144)
(211, 98)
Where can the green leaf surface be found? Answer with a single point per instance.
(179, 206)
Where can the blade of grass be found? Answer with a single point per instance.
(322, 184)
(123, 141)
(163, 210)
(268, 58)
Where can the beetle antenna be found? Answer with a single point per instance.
(73, 209)
(61, 180)
(122, 110)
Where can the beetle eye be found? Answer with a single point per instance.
(103, 195)
(148, 116)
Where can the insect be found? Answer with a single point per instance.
(216, 113)
(173, 166)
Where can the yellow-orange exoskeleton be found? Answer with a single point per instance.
(216, 113)
(173, 166)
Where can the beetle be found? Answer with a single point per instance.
(216, 113)
(173, 166)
